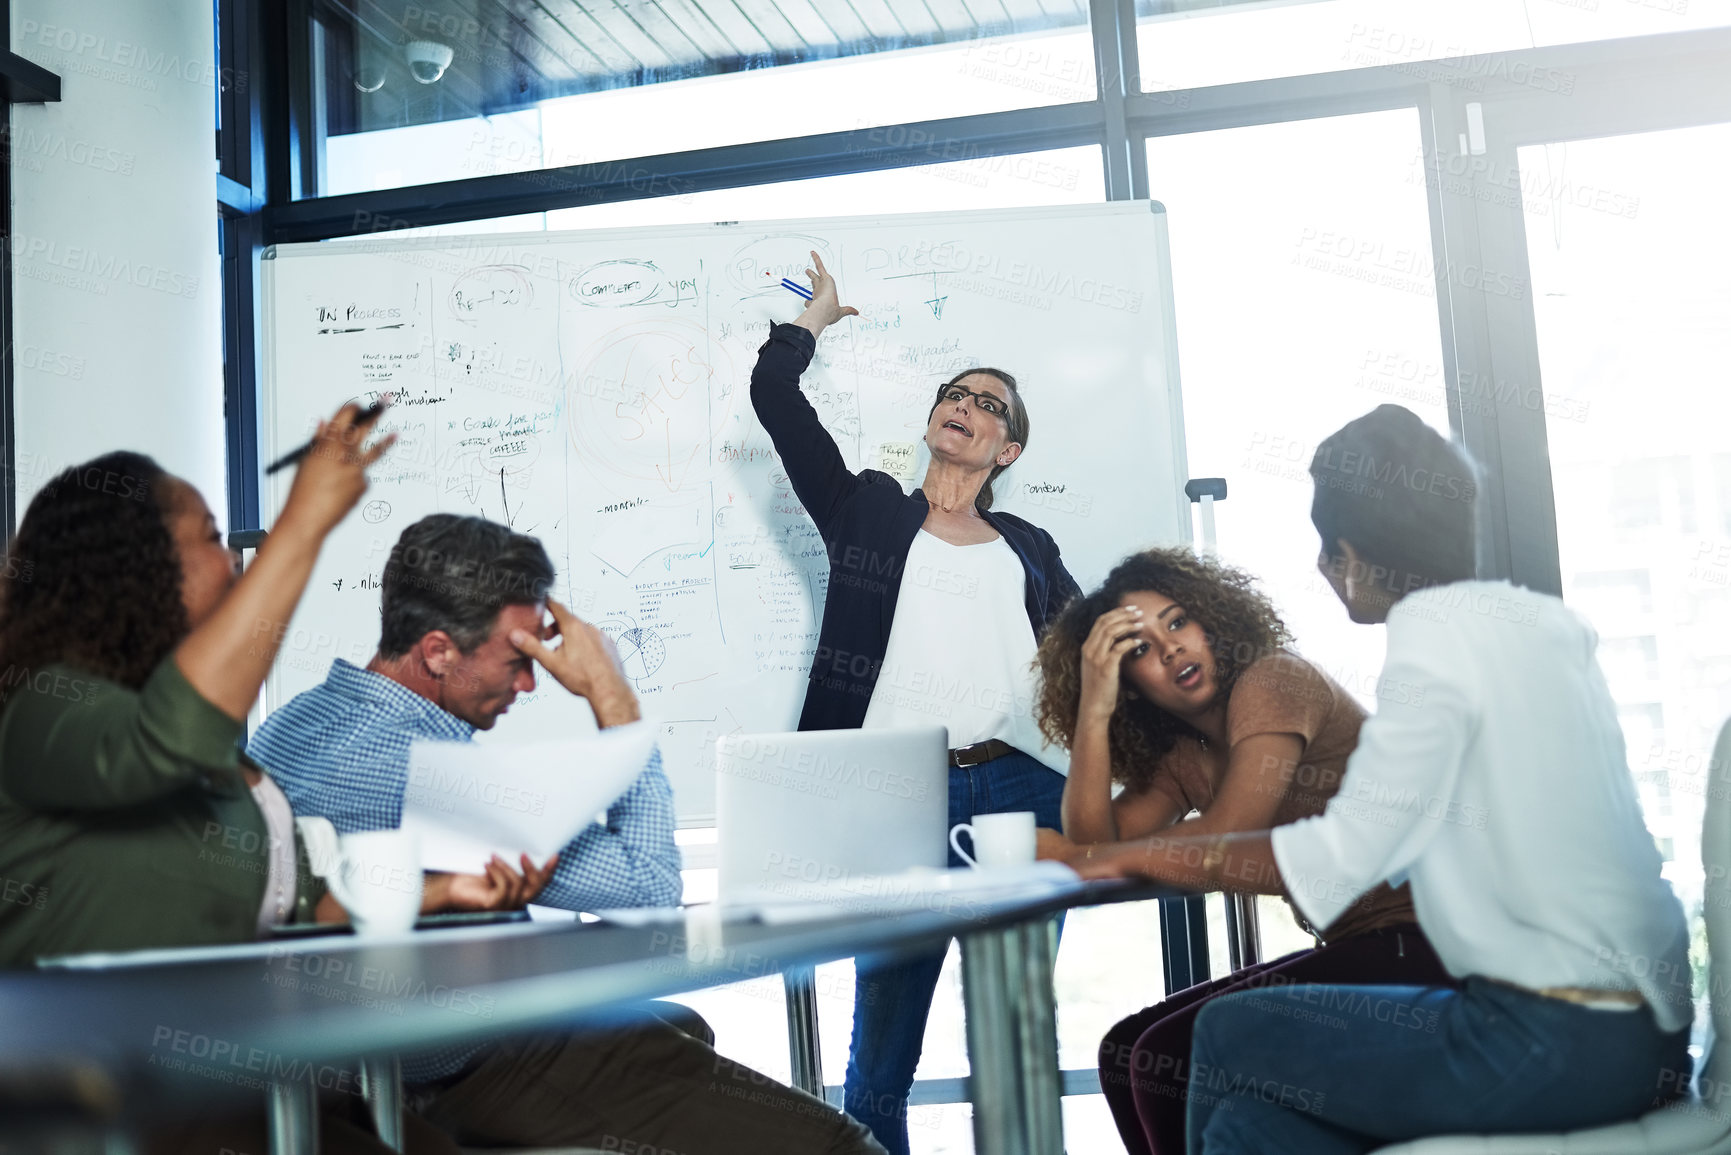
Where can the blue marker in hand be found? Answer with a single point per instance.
(795, 287)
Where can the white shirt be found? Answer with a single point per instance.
(279, 881)
(1493, 778)
(961, 650)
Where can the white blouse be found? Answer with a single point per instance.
(1495, 781)
(279, 883)
(961, 650)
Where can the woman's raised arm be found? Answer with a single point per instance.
(820, 478)
(227, 657)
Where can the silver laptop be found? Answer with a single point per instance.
(804, 812)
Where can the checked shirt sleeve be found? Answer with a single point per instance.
(357, 781)
(631, 860)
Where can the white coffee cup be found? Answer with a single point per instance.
(378, 880)
(999, 839)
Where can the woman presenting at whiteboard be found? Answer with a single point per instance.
(934, 608)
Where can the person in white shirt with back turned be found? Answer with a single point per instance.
(1493, 779)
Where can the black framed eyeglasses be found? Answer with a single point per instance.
(988, 402)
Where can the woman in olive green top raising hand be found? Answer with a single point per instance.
(130, 653)
(129, 656)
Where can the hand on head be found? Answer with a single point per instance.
(1116, 632)
(585, 663)
(333, 475)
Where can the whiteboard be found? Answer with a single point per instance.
(592, 389)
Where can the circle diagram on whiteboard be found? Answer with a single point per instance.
(641, 650)
(647, 403)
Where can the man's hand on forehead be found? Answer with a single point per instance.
(586, 662)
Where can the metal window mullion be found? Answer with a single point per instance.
(8, 414)
(263, 134)
(240, 257)
(1691, 91)
(1485, 305)
(1523, 453)
(234, 138)
(1112, 24)
(1140, 187)
(1440, 234)
(296, 56)
(1468, 356)
(506, 194)
(1184, 111)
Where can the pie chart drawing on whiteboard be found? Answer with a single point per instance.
(641, 650)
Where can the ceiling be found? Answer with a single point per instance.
(510, 54)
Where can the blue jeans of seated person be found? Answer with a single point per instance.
(1335, 1070)
(893, 999)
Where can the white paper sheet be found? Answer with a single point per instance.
(467, 801)
(960, 891)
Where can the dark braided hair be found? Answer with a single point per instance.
(1239, 621)
(94, 576)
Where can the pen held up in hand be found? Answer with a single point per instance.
(368, 415)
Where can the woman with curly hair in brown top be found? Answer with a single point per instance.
(1175, 680)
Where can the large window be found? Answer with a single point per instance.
(525, 86)
(1184, 48)
(1305, 298)
(1016, 180)
(1631, 286)
(1305, 272)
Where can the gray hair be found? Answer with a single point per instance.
(455, 574)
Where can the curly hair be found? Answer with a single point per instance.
(1239, 621)
(94, 576)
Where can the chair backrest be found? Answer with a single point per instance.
(1716, 907)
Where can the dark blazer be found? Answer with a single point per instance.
(867, 524)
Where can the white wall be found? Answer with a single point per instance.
(117, 295)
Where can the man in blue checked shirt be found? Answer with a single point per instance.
(462, 605)
(454, 592)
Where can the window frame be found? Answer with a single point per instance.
(22, 81)
(1638, 84)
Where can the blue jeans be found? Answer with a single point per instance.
(892, 999)
(1335, 1070)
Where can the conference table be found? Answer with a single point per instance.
(169, 1032)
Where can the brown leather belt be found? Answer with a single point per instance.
(963, 757)
(1581, 996)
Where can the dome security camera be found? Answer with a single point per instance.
(427, 59)
(370, 78)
